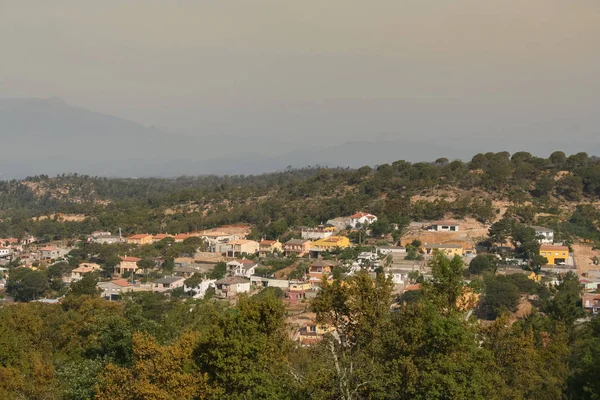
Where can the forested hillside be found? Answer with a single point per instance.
(559, 191)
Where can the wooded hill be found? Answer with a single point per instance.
(560, 191)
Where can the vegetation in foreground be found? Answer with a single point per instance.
(152, 347)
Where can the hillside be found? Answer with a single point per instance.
(561, 192)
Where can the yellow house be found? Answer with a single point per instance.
(330, 243)
(554, 254)
(299, 285)
(140, 239)
(449, 249)
(269, 246)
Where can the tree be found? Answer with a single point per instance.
(500, 231)
(500, 295)
(446, 285)
(483, 263)
(158, 372)
(564, 304)
(86, 286)
(219, 270)
(26, 285)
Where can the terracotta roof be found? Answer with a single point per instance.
(297, 241)
(48, 248)
(546, 247)
(362, 214)
(267, 242)
(182, 236)
(412, 287)
(161, 236)
(121, 282)
(130, 259)
(139, 236)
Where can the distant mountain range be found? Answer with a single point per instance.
(48, 136)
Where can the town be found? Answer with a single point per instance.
(223, 264)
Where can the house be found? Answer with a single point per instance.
(556, 255)
(361, 218)
(106, 239)
(266, 247)
(231, 286)
(167, 283)
(444, 226)
(199, 291)
(82, 269)
(5, 252)
(590, 285)
(296, 291)
(160, 236)
(140, 239)
(449, 249)
(127, 264)
(259, 281)
(181, 237)
(591, 303)
(385, 250)
(329, 244)
(313, 334)
(544, 235)
(320, 232)
(100, 233)
(216, 239)
(241, 247)
(243, 268)
(9, 241)
(298, 247)
(112, 290)
(49, 253)
(319, 269)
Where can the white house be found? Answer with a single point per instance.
(544, 235)
(200, 289)
(319, 232)
(444, 226)
(361, 218)
(385, 250)
(269, 282)
(243, 268)
(5, 252)
(230, 287)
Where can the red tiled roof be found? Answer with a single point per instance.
(362, 214)
(130, 259)
(412, 287)
(267, 242)
(547, 247)
(121, 282)
(139, 236)
(48, 248)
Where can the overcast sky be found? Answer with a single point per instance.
(336, 69)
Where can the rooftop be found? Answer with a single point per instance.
(130, 259)
(233, 280)
(452, 223)
(443, 246)
(547, 247)
(168, 280)
(139, 236)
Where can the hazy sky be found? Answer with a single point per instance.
(337, 69)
